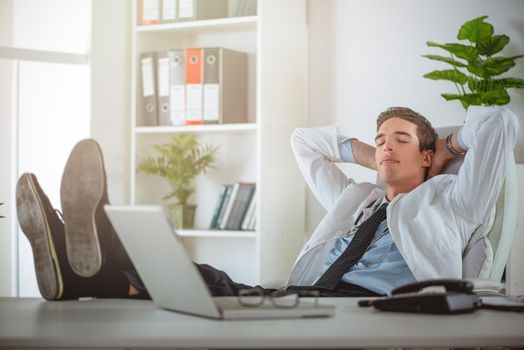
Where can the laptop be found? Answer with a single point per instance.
(171, 278)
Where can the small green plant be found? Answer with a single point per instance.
(475, 66)
(179, 162)
(1, 217)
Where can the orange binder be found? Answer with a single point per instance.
(194, 87)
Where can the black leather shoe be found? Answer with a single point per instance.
(90, 237)
(40, 224)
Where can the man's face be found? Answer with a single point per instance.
(399, 161)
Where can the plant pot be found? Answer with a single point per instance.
(182, 215)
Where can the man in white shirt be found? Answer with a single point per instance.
(429, 221)
(371, 240)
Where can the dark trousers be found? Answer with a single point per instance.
(220, 284)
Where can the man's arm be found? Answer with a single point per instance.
(317, 150)
(363, 154)
(442, 155)
(490, 134)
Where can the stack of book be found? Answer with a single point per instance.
(235, 208)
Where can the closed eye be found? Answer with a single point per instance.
(401, 141)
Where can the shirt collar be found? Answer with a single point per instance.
(384, 200)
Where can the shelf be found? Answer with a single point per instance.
(216, 234)
(255, 151)
(209, 25)
(213, 128)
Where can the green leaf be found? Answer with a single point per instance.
(492, 66)
(479, 72)
(450, 97)
(498, 97)
(475, 30)
(451, 75)
(474, 84)
(492, 45)
(474, 99)
(466, 100)
(445, 59)
(469, 53)
(510, 83)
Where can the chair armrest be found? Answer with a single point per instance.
(487, 286)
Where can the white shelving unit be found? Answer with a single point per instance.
(257, 151)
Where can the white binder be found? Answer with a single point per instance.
(163, 70)
(168, 11)
(177, 93)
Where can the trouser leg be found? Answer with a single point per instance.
(217, 281)
(220, 284)
(342, 290)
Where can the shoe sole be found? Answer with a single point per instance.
(82, 189)
(36, 228)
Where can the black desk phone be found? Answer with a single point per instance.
(458, 298)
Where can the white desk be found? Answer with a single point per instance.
(136, 324)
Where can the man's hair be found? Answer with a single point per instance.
(427, 136)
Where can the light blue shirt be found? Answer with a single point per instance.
(382, 268)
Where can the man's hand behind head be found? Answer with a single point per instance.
(440, 158)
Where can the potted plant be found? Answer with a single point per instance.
(475, 66)
(179, 162)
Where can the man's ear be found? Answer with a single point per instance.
(428, 158)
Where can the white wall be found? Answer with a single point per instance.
(6, 72)
(365, 56)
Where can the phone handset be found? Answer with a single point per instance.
(451, 285)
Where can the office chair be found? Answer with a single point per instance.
(488, 249)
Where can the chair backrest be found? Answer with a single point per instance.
(488, 249)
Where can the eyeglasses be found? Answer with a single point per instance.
(255, 297)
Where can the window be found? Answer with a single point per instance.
(50, 109)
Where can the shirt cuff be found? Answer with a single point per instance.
(345, 149)
(461, 140)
